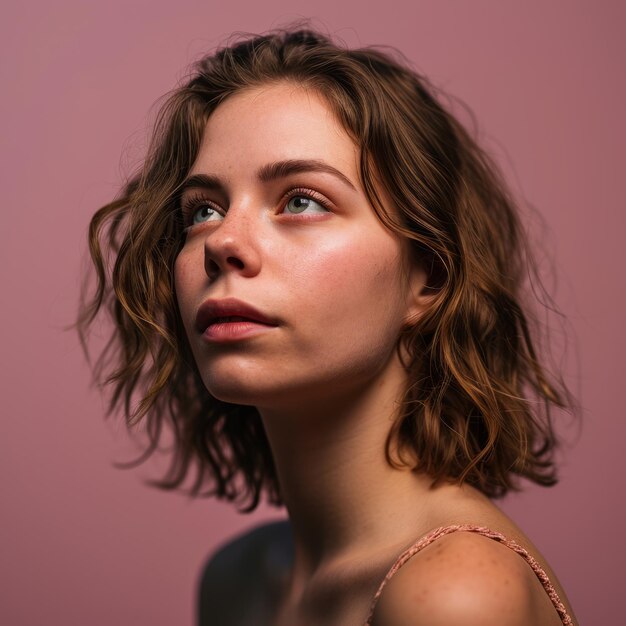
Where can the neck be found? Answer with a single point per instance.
(343, 497)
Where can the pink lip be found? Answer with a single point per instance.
(211, 310)
(224, 332)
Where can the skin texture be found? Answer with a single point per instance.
(327, 378)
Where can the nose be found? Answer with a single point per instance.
(231, 246)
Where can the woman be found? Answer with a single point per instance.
(317, 283)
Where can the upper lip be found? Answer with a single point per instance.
(210, 310)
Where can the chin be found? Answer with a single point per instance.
(236, 391)
(233, 394)
(258, 394)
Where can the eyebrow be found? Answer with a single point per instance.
(269, 172)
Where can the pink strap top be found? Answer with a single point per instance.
(486, 532)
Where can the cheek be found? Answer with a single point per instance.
(356, 287)
(184, 271)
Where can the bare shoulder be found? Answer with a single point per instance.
(251, 544)
(242, 574)
(465, 579)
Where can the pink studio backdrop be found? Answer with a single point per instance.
(85, 543)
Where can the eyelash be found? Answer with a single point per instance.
(194, 202)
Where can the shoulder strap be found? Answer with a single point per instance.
(491, 534)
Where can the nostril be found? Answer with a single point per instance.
(235, 261)
(211, 268)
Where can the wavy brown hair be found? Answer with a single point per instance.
(478, 402)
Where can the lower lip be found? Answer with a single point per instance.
(233, 331)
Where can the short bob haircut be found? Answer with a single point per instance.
(477, 406)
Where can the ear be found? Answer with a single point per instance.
(420, 295)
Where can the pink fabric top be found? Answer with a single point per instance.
(491, 534)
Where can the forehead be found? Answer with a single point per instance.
(271, 123)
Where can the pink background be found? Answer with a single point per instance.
(85, 543)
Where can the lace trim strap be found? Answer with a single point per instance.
(491, 534)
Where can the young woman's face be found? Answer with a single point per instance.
(299, 242)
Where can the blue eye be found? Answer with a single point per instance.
(202, 214)
(197, 210)
(300, 203)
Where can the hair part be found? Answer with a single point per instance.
(477, 407)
